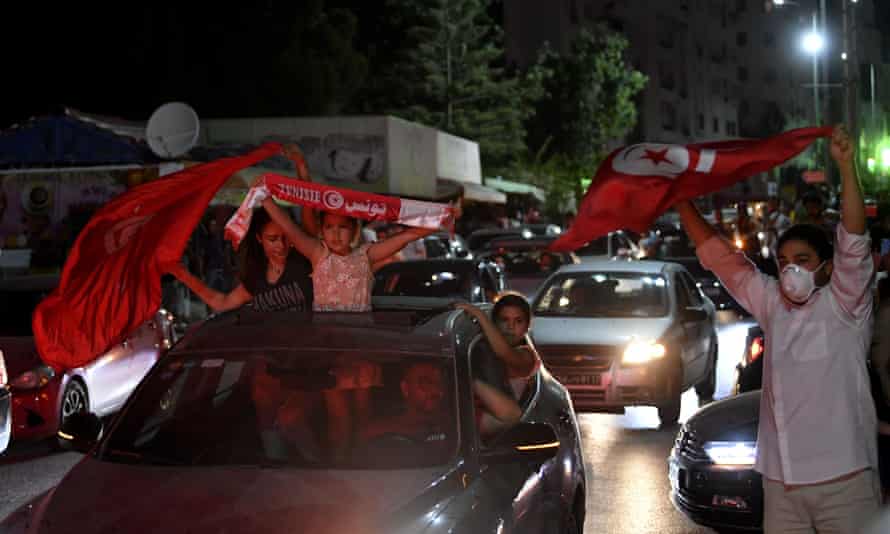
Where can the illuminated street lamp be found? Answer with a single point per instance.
(813, 42)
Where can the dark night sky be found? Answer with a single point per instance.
(98, 59)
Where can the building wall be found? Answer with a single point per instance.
(717, 68)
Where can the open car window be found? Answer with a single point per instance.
(281, 408)
(604, 294)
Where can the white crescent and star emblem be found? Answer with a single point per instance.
(332, 200)
(652, 159)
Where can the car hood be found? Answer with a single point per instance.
(19, 354)
(587, 331)
(109, 497)
(731, 419)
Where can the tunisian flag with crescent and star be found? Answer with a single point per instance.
(111, 281)
(637, 183)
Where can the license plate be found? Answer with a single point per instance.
(580, 380)
(712, 291)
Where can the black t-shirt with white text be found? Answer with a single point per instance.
(292, 290)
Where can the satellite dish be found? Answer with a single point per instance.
(172, 130)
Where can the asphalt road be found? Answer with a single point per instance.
(626, 459)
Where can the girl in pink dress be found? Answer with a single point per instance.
(342, 282)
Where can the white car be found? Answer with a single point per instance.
(622, 333)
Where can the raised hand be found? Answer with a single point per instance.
(841, 145)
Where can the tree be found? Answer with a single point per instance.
(591, 103)
(450, 73)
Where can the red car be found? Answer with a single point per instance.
(41, 398)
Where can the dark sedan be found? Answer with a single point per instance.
(527, 262)
(233, 431)
(711, 470)
(475, 281)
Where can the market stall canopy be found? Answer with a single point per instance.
(67, 141)
(446, 188)
(515, 187)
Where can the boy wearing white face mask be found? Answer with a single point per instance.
(817, 436)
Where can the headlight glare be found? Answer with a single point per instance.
(643, 352)
(738, 453)
(33, 379)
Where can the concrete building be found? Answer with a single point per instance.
(717, 68)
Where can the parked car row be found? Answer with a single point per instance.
(39, 399)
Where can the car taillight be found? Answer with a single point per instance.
(756, 349)
(33, 379)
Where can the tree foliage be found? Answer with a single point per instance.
(590, 103)
(449, 72)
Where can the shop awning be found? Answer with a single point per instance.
(472, 191)
(515, 187)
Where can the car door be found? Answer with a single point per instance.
(697, 329)
(109, 378)
(523, 496)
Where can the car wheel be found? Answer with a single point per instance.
(74, 400)
(669, 410)
(706, 388)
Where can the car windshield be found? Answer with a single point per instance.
(417, 280)
(604, 294)
(291, 409)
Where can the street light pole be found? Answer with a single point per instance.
(816, 106)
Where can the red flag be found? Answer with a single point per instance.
(636, 184)
(367, 206)
(111, 281)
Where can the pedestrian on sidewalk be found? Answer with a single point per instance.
(817, 436)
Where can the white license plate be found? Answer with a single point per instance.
(580, 380)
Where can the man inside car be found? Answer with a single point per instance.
(422, 390)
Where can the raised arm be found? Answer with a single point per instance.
(500, 412)
(216, 300)
(852, 205)
(698, 229)
(520, 361)
(751, 288)
(307, 245)
(853, 267)
(391, 245)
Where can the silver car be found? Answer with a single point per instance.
(620, 334)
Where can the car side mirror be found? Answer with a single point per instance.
(534, 442)
(79, 432)
(695, 315)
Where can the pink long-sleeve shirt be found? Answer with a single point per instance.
(817, 417)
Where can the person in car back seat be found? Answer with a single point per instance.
(506, 339)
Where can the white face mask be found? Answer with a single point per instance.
(798, 284)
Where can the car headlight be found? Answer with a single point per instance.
(643, 352)
(740, 453)
(33, 379)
